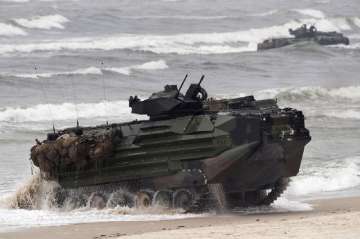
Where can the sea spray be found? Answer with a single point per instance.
(35, 193)
(39, 194)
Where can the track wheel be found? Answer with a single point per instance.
(75, 201)
(183, 199)
(97, 200)
(143, 199)
(162, 198)
(121, 198)
(279, 188)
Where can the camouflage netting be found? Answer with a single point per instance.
(70, 151)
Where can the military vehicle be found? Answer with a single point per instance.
(192, 153)
(304, 34)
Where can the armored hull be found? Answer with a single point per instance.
(210, 152)
(321, 38)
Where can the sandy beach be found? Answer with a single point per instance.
(330, 218)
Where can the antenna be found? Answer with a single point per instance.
(74, 98)
(182, 83)
(104, 91)
(103, 83)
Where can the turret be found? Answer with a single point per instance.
(171, 102)
(303, 31)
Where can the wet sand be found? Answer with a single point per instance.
(330, 218)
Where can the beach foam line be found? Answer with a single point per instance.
(43, 22)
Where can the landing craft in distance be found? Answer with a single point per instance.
(193, 153)
(304, 34)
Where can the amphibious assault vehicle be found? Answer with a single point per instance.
(304, 34)
(192, 153)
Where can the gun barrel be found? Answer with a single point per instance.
(201, 79)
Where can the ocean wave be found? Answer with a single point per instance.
(15, 1)
(338, 177)
(152, 65)
(10, 30)
(352, 46)
(264, 14)
(297, 96)
(311, 12)
(356, 21)
(343, 114)
(181, 17)
(43, 22)
(82, 71)
(354, 36)
(67, 111)
(311, 93)
(92, 70)
(195, 43)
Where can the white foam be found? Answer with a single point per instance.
(20, 218)
(356, 21)
(10, 30)
(43, 22)
(152, 65)
(82, 71)
(283, 203)
(67, 111)
(311, 12)
(341, 176)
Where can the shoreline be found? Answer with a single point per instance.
(327, 213)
